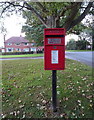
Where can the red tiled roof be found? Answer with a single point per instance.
(16, 40)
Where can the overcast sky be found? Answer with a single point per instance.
(13, 25)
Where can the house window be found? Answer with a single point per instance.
(26, 49)
(25, 43)
(9, 49)
(17, 43)
(9, 43)
(33, 49)
(18, 49)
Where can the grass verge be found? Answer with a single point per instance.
(26, 55)
(26, 90)
(78, 50)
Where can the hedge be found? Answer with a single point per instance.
(17, 53)
(20, 53)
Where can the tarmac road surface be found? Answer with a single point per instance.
(18, 58)
(83, 57)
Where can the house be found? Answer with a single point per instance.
(2, 50)
(19, 44)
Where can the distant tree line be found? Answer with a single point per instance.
(78, 45)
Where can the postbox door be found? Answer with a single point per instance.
(54, 57)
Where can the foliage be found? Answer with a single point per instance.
(26, 90)
(34, 28)
(77, 45)
(34, 32)
(49, 14)
(71, 45)
(82, 44)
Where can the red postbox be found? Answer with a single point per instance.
(54, 50)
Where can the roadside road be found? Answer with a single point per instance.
(83, 57)
(18, 58)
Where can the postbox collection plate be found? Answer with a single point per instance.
(54, 40)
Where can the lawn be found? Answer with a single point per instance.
(25, 55)
(26, 90)
(78, 50)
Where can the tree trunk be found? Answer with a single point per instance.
(92, 39)
(51, 22)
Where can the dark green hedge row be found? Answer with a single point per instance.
(20, 53)
(17, 53)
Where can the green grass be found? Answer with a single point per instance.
(26, 90)
(26, 55)
(78, 50)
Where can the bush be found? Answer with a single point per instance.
(39, 52)
(17, 53)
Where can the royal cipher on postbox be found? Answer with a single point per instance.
(54, 49)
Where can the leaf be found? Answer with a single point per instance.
(42, 107)
(20, 101)
(58, 92)
(24, 114)
(44, 101)
(18, 112)
(21, 106)
(3, 116)
(11, 113)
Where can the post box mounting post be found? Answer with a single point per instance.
(54, 91)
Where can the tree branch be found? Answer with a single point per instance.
(63, 10)
(25, 5)
(73, 13)
(82, 16)
(29, 7)
(9, 5)
(42, 7)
